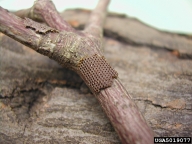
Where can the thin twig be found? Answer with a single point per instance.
(95, 23)
(44, 10)
(14, 27)
(124, 115)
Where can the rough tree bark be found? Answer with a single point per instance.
(70, 47)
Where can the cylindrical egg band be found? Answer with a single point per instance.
(97, 73)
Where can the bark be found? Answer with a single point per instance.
(133, 32)
(69, 47)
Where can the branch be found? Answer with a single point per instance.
(124, 115)
(74, 49)
(95, 23)
(14, 27)
(67, 48)
(44, 10)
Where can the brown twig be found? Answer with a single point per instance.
(14, 27)
(124, 115)
(69, 47)
(95, 23)
(45, 11)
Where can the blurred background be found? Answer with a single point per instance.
(167, 15)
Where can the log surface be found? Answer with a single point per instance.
(41, 102)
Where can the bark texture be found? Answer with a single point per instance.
(71, 49)
(132, 31)
(42, 102)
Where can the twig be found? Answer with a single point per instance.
(95, 23)
(124, 115)
(70, 47)
(14, 27)
(44, 10)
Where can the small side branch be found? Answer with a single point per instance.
(44, 10)
(95, 23)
